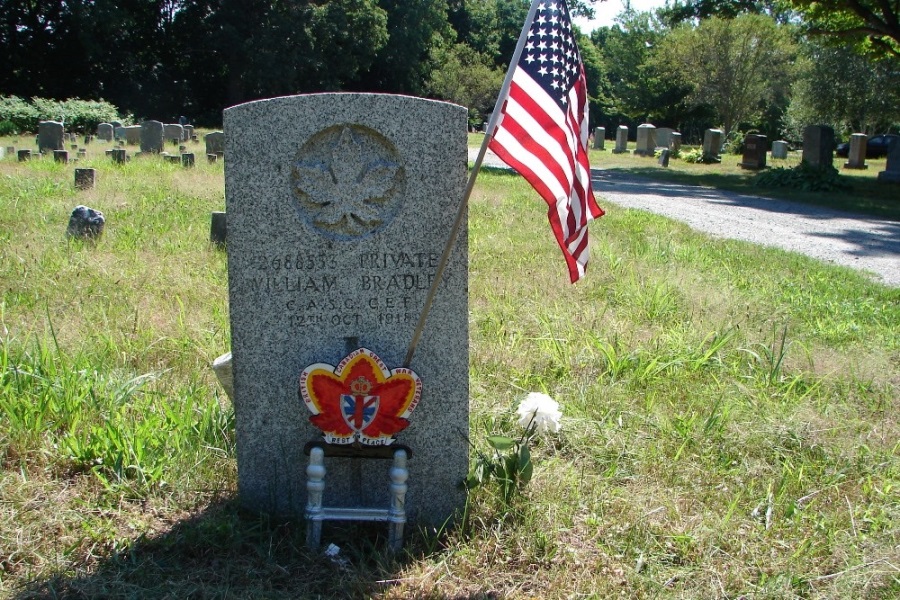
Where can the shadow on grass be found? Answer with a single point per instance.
(227, 552)
(867, 196)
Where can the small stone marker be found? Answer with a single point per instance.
(51, 136)
(11, 150)
(857, 156)
(119, 155)
(646, 140)
(187, 160)
(779, 149)
(188, 132)
(755, 152)
(621, 140)
(61, 156)
(599, 138)
(82, 153)
(339, 206)
(84, 179)
(218, 229)
(170, 158)
(152, 138)
(85, 223)
(664, 157)
(211, 158)
(215, 142)
(818, 146)
(712, 145)
(892, 173)
(24, 155)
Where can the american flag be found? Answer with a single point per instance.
(542, 131)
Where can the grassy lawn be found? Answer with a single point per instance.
(865, 195)
(730, 421)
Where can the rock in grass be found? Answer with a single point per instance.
(85, 223)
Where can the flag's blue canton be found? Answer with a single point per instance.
(550, 55)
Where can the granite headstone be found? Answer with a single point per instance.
(599, 138)
(755, 152)
(621, 140)
(339, 206)
(857, 155)
(152, 137)
(646, 140)
(215, 142)
(818, 146)
(891, 174)
(51, 136)
(105, 132)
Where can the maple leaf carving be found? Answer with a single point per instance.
(348, 193)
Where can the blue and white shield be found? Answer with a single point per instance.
(359, 411)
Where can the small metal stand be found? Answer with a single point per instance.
(395, 516)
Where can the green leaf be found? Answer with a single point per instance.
(501, 442)
(526, 467)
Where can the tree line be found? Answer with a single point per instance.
(738, 64)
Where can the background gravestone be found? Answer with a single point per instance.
(215, 142)
(664, 137)
(675, 141)
(646, 140)
(621, 140)
(857, 155)
(818, 146)
(51, 136)
(133, 135)
(339, 206)
(152, 137)
(712, 144)
(779, 149)
(599, 138)
(174, 132)
(755, 151)
(891, 174)
(105, 132)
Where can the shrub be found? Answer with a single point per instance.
(8, 128)
(803, 177)
(82, 115)
(19, 112)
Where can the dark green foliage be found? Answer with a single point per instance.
(77, 115)
(803, 177)
(8, 128)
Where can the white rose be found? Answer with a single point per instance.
(540, 410)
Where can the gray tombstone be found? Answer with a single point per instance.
(664, 137)
(187, 159)
(218, 234)
(2, 152)
(51, 136)
(891, 174)
(215, 142)
(646, 140)
(779, 149)
(105, 132)
(61, 156)
(755, 152)
(173, 132)
(188, 132)
(621, 140)
(818, 146)
(339, 207)
(24, 155)
(119, 155)
(857, 156)
(85, 178)
(599, 138)
(675, 141)
(712, 145)
(664, 157)
(152, 137)
(133, 135)
(212, 158)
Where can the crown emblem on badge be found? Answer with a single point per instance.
(360, 400)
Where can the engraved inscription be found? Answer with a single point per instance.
(349, 181)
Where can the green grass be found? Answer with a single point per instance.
(729, 423)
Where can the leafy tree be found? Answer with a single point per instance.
(467, 78)
(871, 26)
(736, 66)
(845, 89)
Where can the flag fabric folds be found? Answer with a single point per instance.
(542, 131)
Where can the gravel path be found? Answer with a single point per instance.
(848, 239)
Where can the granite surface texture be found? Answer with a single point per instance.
(152, 140)
(50, 136)
(339, 207)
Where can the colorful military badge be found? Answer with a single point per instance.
(360, 400)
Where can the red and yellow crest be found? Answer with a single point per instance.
(360, 400)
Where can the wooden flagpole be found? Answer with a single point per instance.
(454, 231)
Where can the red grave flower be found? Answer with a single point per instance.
(360, 400)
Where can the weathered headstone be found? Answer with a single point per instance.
(856, 159)
(664, 157)
(712, 145)
(133, 135)
(755, 152)
(51, 136)
(891, 174)
(24, 155)
(339, 206)
(215, 142)
(174, 133)
(152, 137)
(84, 178)
(11, 150)
(646, 140)
(2, 152)
(211, 158)
(663, 137)
(621, 140)
(119, 155)
(118, 133)
(818, 146)
(82, 153)
(187, 159)
(599, 138)
(675, 141)
(779, 149)
(115, 124)
(188, 132)
(61, 156)
(85, 223)
(218, 230)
